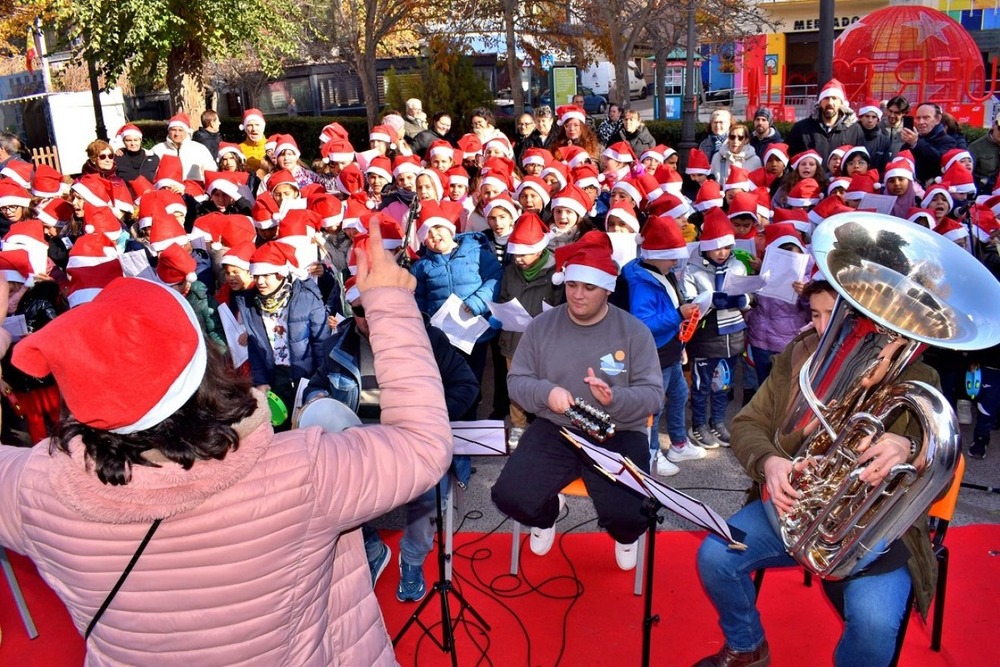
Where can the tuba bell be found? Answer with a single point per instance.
(901, 288)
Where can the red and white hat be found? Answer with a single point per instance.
(503, 143)
(18, 171)
(12, 194)
(470, 145)
(436, 214)
(709, 196)
(984, 223)
(47, 183)
(29, 235)
(272, 257)
(833, 88)
(853, 151)
(805, 193)
(763, 203)
(251, 115)
(239, 256)
(175, 265)
(440, 147)
(223, 181)
(530, 235)
(671, 205)
(286, 142)
(284, 177)
(100, 220)
(165, 231)
(383, 133)
(838, 152)
(179, 120)
(959, 179)
(208, 227)
(125, 322)
(350, 180)
(94, 190)
(405, 164)
(239, 229)
(93, 263)
(357, 213)
(557, 169)
(898, 168)
(938, 189)
(953, 156)
(129, 130)
(170, 173)
(457, 175)
(536, 184)
(380, 166)
(842, 182)
(738, 179)
(698, 163)
(669, 180)
(535, 155)
(497, 172)
(15, 266)
(716, 231)
(777, 235)
(806, 155)
(574, 156)
(630, 187)
(263, 211)
(870, 106)
(865, 183)
(586, 176)
(568, 112)
(329, 209)
(140, 185)
(574, 199)
(624, 212)
(587, 261)
(743, 203)
(620, 151)
(796, 217)
(55, 213)
(504, 201)
(657, 152)
(778, 150)
(828, 207)
(662, 239)
(952, 229)
(334, 131)
(227, 148)
(337, 150)
(922, 216)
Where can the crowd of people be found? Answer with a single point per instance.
(594, 228)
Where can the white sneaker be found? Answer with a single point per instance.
(665, 468)
(626, 555)
(689, 452)
(542, 539)
(514, 438)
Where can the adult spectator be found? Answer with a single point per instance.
(208, 134)
(580, 101)
(634, 132)
(484, 124)
(133, 160)
(875, 140)
(831, 124)
(589, 349)
(928, 141)
(736, 153)
(195, 158)
(414, 119)
(986, 158)
(574, 131)
(10, 149)
(764, 133)
(892, 122)
(254, 147)
(440, 129)
(543, 124)
(718, 132)
(611, 125)
(526, 136)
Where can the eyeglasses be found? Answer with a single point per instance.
(106, 156)
(358, 311)
(528, 124)
(741, 137)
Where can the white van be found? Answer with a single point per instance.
(600, 77)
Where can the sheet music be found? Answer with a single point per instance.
(485, 437)
(782, 268)
(511, 314)
(233, 330)
(735, 284)
(135, 264)
(462, 328)
(748, 246)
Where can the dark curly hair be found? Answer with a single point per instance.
(201, 429)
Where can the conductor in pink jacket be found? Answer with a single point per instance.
(254, 559)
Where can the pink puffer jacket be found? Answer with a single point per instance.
(258, 560)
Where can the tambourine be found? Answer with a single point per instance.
(591, 420)
(328, 413)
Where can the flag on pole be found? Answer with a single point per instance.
(30, 53)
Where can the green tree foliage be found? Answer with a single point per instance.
(178, 37)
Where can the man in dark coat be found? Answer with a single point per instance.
(832, 124)
(764, 133)
(928, 141)
(208, 134)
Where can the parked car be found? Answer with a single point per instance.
(592, 103)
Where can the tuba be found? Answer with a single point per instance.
(901, 288)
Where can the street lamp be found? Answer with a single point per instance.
(824, 65)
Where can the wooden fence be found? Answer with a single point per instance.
(46, 155)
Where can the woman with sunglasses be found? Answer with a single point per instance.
(736, 152)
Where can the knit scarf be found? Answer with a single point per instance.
(277, 299)
(546, 260)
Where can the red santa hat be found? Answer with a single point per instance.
(94, 189)
(828, 207)
(854, 151)
(669, 180)
(224, 181)
(809, 154)
(587, 261)
(129, 130)
(227, 148)
(272, 257)
(337, 150)
(650, 187)
(470, 145)
(263, 211)
(239, 256)
(952, 230)
(350, 180)
(503, 143)
(922, 216)
(805, 193)
(18, 171)
(796, 217)
(209, 228)
(534, 183)
(698, 163)
(55, 213)
(332, 132)
(392, 233)
(239, 229)
(557, 169)
(30, 236)
(179, 120)
(127, 320)
(329, 209)
(534, 155)
(100, 220)
(380, 166)
(833, 88)
(435, 214)
(709, 196)
(15, 266)
(383, 133)
(624, 212)
(357, 213)
(779, 234)
(572, 198)
(283, 177)
(938, 189)
(438, 180)
(504, 201)
(959, 179)
(743, 203)
(568, 112)
(898, 168)
(953, 156)
(842, 182)
(586, 176)
(671, 205)
(165, 231)
(12, 194)
(251, 115)
(984, 223)
(865, 183)
(497, 172)
(870, 105)
(140, 185)
(574, 156)
(405, 164)
(908, 156)
(530, 235)
(175, 265)
(763, 203)
(93, 263)
(440, 147)
(170, 173)
(662, 239)
(47, 183)
(716, 231)
(620, 151)
(286, 142)
(839, 152)
(778, 150)
(738, 179)
(657, 153)
(457, 175)
(632, 188)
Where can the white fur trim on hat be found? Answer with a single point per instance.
(380, 171)
(425, 228)
(263, 269)
(233, 260)
(905, 172)
(623, 215)
(870, 108)
(628, 189)
(524, 249)
(160, 246)
(14, 200)
(226, 187)
(581, 273)
(571, 204)
(664, 253)
(705, 245)
(802, 201)
(570, 115)
(504, 203)
(380, 136)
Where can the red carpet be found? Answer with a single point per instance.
(575, 608)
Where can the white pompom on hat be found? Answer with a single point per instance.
(587, 261)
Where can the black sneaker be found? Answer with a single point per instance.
(703, 437)
(977, 449)
(720, 431)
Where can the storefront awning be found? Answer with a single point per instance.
(26, 98)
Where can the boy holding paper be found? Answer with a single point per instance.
(527, 278)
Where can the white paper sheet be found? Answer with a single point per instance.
(233, 330)
(623, 248)
(747, 245)
(546, 307)
(782, 268)
(461, 328)
(512, 314)
(485, 437)
(877, 203)
(16, 326)
(735, 284)
(704, 303)
(136, 264)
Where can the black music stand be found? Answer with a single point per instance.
(658, 495)
(480, 438)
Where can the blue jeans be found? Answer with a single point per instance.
(874, 605)
(418, 535)
(702, 394)
(988, 404)
(676, 391)
(762, 361)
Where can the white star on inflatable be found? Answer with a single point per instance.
(928, 28)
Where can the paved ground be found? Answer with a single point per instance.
(717, 480)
